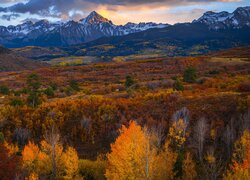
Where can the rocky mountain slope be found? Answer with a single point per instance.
(98, 36)
(43, 33)
(238, 19)
(94, 26)
(179, 40)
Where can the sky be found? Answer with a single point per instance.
(13, 12)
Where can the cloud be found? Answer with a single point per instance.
(10, 1)
(166, 2)
(30, 19)
(59, 7)
(33, 7)
(10, 17)
(114, 9)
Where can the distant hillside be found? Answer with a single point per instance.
(239, 52)
(10, 61)
(179, 40)
(40, 53)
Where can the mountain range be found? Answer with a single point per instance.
(94, 26)
(44, 33)
(185, 39)
(222, 20)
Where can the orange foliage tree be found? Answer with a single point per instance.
(132, 156)
(240, 168)
(165, 161)
(69, 162)
(9, 161)
(38, 162)
(30, 158)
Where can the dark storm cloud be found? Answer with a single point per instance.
(33, 6)
(57, 8)
(9, 17)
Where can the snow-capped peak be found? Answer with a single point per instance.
(94, 18)
(221, 20)
(144, 26)
(72, 32)
(211, 17)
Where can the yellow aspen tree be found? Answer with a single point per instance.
(66, 161)
(177, 134)
(189, 168)
(164, 165)
(131, 156)
(47, 158)
(32, 176)
(69, 163)
(240, 168)
(30, 156)
(166, 159)
(35, 161)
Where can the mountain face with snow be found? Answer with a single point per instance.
(94, 26)
(238, 19)
(26, 33)
(43, 33)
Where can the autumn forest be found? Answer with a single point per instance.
(158, 118)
